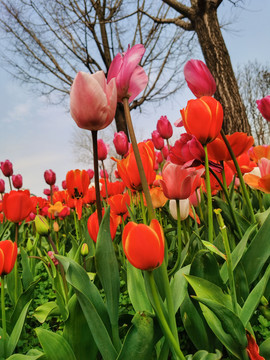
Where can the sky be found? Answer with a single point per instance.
(36, 136)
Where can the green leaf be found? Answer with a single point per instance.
(265, 349)
(237, 253)
(178, 286)
(27, 276)
(226, 325)
(77, 332)
(204, 355)
(16, 332)
(214, 249)
(139, 341)
(258, 252)
(38, 355)
(136, 289)
(254, 298)
(43, 311)
(54, 345)
(107, 267)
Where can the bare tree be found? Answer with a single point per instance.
(254, 83)
(45, 43)
(200, 17)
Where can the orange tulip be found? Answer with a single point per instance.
(77, 182)
(118, 204)
(8, 256)
(128, 170)
(93, 225)
(260, 182)
(240, 143)
(203, 118)
(17, 205)
(258, 152)
(244, 162)
(144, 245)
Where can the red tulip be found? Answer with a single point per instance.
(144, 245)
(199, 79)
(264, 107)
(17, 181)
(253, 348)
(2, 186)
(93, 225)
(103, 149)
(7, 168)
(92, 101)
(158, 141)
(17, 205)
(179, 182)
(164, 127)
(203, 118)
(131, 79)
(50, 177)
(8, 256)
(118, 204)
(121, 144)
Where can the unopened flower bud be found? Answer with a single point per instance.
(42, 225)
(84, 249)
(50, 177)
(56, 226)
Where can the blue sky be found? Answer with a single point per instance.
(35, 136)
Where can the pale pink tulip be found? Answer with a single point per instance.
(264, 107)
(131, 79)
(199, 79)
(184, 208)
(93, 101)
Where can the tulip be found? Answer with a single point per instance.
(64, 184)
(264, 107)
(184, 208)
(178, 182)
(84, 249)
(199, 79)
(92, 101)
(90, 173)
(164, 127)
(203, 118)
(93, 225)
(17, 181)
(144, 245)
(121, 144)
(8, 256)
(50, 177)
(2, 186)
(258, 152)
(42, 225)
(103, 149)
(104, 174)
(52, 257)
(131, 79)
(17, 205)
(7, 168)
(253, 348)
(261, 182)
(118, 204)
(158, 141)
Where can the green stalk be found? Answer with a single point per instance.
(145, 187)
(105, 179)
(179, 239)
(209, 198)
(3, 308)
(10, 185)
(143, 208)
(98, 200)
(243, 186)
(16, 265)
(163, 323)
(229, 260)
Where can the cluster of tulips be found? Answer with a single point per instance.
(154, 227)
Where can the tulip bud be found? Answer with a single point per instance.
(84, 249)
(42, 225)
(90, 173)
(164, 127)
(7, 168)
(184, 208)
(2, 186)
(120, 141)
(158, 141)
(50, 177)
(64, 184)
(264, 107)
(102, 174)
(102, 149)
(55, 226)
(17, 181)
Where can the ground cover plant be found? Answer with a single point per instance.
(168, 261)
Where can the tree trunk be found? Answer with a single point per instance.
(218, 61)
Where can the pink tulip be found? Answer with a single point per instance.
(90, 173)
(264, 166)
(158, 141)
(264, 107)
(164, 127)
(199, 79)
(7, 168)
(195, 198)
(64, 184)
(120, 141)
(103, 149)
(2, 186)
(17, 181)
(179, 183)
(102, 174)
(93, 101)
(50, 177)
(131, 79)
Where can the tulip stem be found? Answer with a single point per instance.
(143, 209)
(10, 185)
(240, 176)
(179, 238)
(98, 200)
(3, 308)
(145, 187)
(209, 197)
(163, 322)
(16, 266)
(105, 179)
